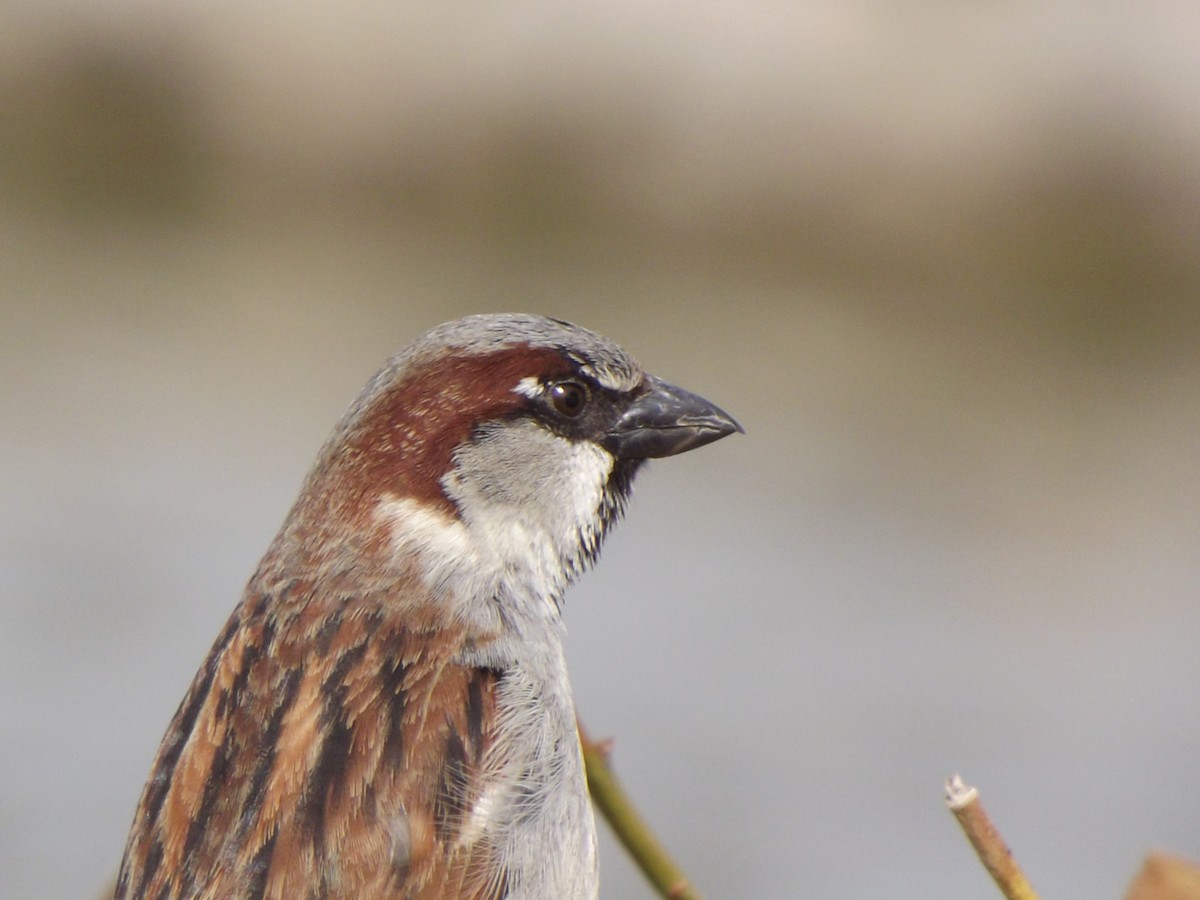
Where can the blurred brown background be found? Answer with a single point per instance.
(941, 261)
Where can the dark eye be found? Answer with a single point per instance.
(568, 398)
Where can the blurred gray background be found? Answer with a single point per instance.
(942, 261)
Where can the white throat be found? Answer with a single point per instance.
(529, 514)
(528, 521)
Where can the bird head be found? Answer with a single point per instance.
(503, 446)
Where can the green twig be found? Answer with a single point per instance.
(629, 826)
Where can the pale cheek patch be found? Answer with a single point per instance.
(417, 528)
(436, 544)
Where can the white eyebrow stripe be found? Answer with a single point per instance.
(529, 387)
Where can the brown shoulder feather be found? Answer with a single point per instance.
(323, 750)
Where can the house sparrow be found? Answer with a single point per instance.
(387, 712)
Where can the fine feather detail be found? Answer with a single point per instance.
(345, 773)
(387, 712)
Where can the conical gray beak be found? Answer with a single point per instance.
(666, 420)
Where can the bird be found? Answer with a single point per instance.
(387, 712)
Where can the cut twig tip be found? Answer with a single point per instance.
(989, 846)
(958, 793)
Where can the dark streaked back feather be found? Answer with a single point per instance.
(319, 755)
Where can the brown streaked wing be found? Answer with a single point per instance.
(331, 756)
